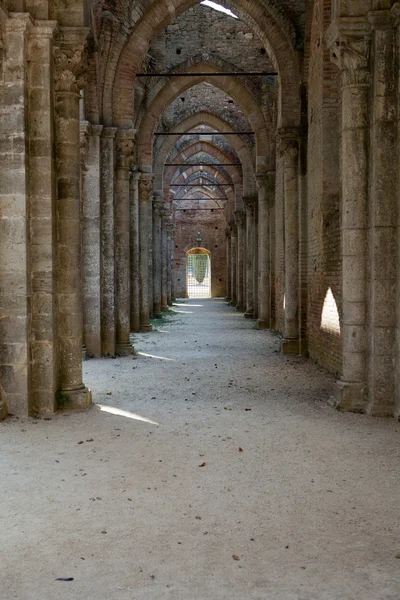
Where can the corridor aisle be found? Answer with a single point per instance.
(210, 468)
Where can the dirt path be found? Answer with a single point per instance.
(293, 502)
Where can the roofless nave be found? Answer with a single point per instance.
(134, 133)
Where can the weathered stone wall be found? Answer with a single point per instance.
(323, 218)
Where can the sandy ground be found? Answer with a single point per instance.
(294, 502)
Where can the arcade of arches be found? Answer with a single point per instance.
(134, 131)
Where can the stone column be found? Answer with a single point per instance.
(228, 264)
(108, 324)
(170, 241)
(145, 204)
(383, 171)
(150, 246)
(135, 252)
(84, 145)
(69, 68)
(240, 298)
(265, 186)
(125, 145)
(289, 147)
(396, 13)
(164, 260)
(249, 299)
(173, 298)
(91, 246)
(158, 206)
(349, 41)
(42, 222)
(255, 261)
(234, 267)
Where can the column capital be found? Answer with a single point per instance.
(265, 180)
(349, 42)
(44, 29)
(19, 22)
(96, 130)
(109, 132)
(70, 59)
(288, 142)
(382, 19)
(158, 203)
(146, 187)
(125, 147)
(250, 202)
(240, 216)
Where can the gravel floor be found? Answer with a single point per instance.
(211, 467)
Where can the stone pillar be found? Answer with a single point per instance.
(382, 217)
(84, 144)
(158, 206)
(170, 242)
(108, 324)
(228, 264)
(289, 147)
(173, 298)
(249, 299)
(69, 68)
(265, 186)
(135, 252)
(349, 41)
(125, 145)
(240, 298)
(255, 261)
(150, 246)
(42, 268)
(164, 260)
(145, 206)
(396, 13)
(234, 267)
(91, 246)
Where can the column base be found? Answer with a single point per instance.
(349, 396)
(164, 308)
(3, 410)
(262, 324)
(239, 308)
(158, 314)
(79, 399)
(145, 328)
(290, 346)
(124, 348)
(84, 353)
(249, 315)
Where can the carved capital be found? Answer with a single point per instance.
(250, 203)
(70, 59)
(288, 144)
(239, 216)
(125, 148)
(146, 187)
(349, 42)
(265, 181)
(84, 130)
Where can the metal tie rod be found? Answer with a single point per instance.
(221, 74)
(201, 184)
(205, 133)
(198, 199)
(202, 164)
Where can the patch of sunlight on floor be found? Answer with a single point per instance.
(154, 356)
(125, 413)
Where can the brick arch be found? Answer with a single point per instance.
(211, 177)
(264, 17)
(204, 118)
(230, 85)
(234, 173)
